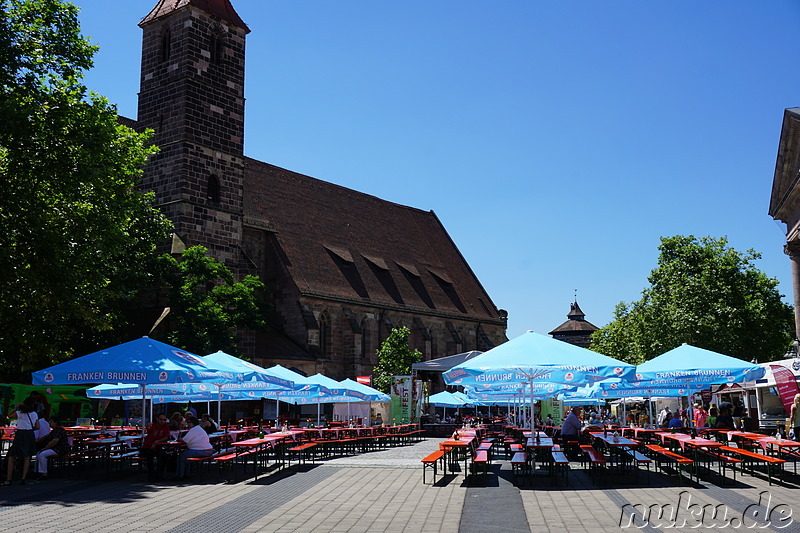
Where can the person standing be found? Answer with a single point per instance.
(662, 416)
(197, 445)
(24, 444)
(700, 416)
(794, 416)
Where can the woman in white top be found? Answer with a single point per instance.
(197, 445)
(24, 444)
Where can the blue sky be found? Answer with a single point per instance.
(556, 141)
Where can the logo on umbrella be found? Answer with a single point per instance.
(48, 377)
(618, 371)
(569, 376)
(639, 377)
(189, 375)
(189, 358)
(97, 393)
(162, 376)
(613, 385)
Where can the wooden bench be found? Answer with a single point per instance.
(519, 464)
(748, 457)
(560, 462)
(597, 461)
(480, 459)
(486, 446)
(680, 461)
(432, 461)
(723, 461)
(302, 450)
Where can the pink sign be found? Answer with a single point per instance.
(787, 385)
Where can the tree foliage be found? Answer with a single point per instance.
(207, 305)
(395, 358)
(78, 240)
(704, 293)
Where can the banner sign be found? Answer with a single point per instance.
(401, 399)
(786, 383)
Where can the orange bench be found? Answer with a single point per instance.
(752, 457)
(431, 461)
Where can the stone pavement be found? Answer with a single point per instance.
(383, 491)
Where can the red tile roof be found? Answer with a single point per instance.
(222, 9)
(344, 244)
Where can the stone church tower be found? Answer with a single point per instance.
(342, 267)
(192, 95)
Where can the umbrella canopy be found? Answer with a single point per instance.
(532, 357)
(337, 391)
(249, 371)
(141, 361)
(698, 366)
(445, 399)
(374, 395)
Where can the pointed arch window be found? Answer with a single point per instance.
(213, 194)
(364, 339)
(324, 333)
(216, 43)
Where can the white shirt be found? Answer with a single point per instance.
(26, 420)
(44, 429)
(197, 439)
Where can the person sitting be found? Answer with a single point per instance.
(549, 420)
(208, 424)
(176, 424)
(157, 432)
(674, 422)
(41, 433)
(55, 442)
(197, 445)
(724, 420)
(571, 428)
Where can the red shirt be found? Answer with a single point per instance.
(156, 432)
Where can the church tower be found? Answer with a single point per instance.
(576, 330)
(192, 96)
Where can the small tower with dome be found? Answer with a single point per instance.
(576, 330)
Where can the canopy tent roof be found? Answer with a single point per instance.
(533, 357)
(140, 361)
(443, 364)
(446, 399)
(699, 366)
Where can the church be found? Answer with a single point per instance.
(343, 268)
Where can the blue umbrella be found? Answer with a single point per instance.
(373, 395)
(532, 358)
(143, 361)
(698, 366)
(445, 399)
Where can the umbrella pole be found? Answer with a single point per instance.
(318, 420)
(531, 413)
(144, 406)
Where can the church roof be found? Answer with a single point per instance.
(347, 245)
(222, 9)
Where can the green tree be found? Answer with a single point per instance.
(395, 358)
(78, 239)
(207, 304)
(704, 293)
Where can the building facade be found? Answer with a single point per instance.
(343, 267)
(784, 203)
